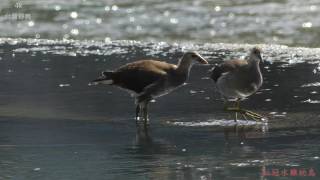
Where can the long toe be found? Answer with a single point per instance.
(251, 112)
(244, 116)
(254, 116)
(246, 113)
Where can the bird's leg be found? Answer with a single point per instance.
(144, 100)
(234, 108)
(243, 112)
(238, 103)
(227, 108)
(137, 112)
(145, 112)
(236, 117)
(237, 107)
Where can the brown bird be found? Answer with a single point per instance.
(238, 79)
(150, 79)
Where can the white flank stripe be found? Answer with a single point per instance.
(106, 82)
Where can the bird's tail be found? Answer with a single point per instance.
(105, 78)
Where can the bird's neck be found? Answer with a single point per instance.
(253, 61)
(184, 66)
(254, 65)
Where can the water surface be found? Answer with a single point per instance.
(290, 22)
(54, 126)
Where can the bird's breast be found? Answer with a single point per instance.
(171, 83)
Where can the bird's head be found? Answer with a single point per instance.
(194, 56)
(256, 54)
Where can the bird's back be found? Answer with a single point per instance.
(137, 75)
(228, 66)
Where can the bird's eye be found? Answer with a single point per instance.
(194, 56)
(256, 51)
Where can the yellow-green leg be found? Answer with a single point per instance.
(243, 112)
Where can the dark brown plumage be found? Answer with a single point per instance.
(149, 79)
(137, 75)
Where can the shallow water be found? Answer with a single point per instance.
(290, 22)
(54, 126)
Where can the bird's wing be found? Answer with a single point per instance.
(140, 74)
(152, 90)
(226, 67)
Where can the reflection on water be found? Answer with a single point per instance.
(54, 126)
(173, 154)
(288, 22)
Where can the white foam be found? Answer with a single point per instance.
(311, 101)
(64, 85)
(315, 84)
(221, 122)
(240, 164)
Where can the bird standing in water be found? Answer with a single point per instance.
(237, 79)
(149, 79)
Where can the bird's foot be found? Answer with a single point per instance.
(146, 122)
(254, 115)
(246, 113)
(141, 120)
(138, 119)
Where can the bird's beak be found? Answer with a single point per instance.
(201, 60)
(97, 81)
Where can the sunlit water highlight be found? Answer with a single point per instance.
(290, 22)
